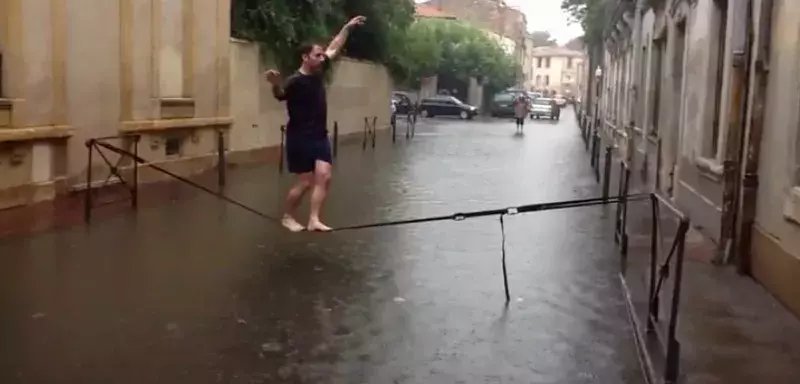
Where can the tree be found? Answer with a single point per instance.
(542, 39)
(575, 44)
(591, 14)
(454, 49)
(281, 26)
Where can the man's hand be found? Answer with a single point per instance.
(332, 51)
(356, 21)
(274, 77)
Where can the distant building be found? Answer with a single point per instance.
(431, 12)
(556, 69)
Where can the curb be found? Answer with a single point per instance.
(645, 361)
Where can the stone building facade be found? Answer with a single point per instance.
(700, 98)
(73, 70)
(556, 69)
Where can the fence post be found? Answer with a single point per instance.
(282, 149)
(135, 192)
(374, 130)
(335, 138)
(221, 161)
(394, 129)
(607, 173)
(597, 158)
(673, 346)
(364, 139)
(652, 302)
(626, 176)
(87, 204)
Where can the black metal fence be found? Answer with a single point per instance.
(122, 164)
(653, 288)
(117, 172)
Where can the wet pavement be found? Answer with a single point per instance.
(200, 291)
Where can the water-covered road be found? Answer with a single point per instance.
(198, 291)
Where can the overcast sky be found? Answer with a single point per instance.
(546, 15)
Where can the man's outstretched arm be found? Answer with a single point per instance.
(335, 46)
(274, 78)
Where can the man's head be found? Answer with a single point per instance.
(312, 55)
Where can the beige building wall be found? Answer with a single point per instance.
(357, 90)
(681, 60)
(80, 69)
(561, 75)
(776, 245)
(165, 71)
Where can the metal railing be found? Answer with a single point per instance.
(411, 123)
(116, 168)
(664, 263)
(370, 132)
(126, 162)
(656, 336)
(661, 260)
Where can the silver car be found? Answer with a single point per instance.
(543, 107)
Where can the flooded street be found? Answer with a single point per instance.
(200, 291)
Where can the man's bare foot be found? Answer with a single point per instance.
(317, 226)
(291, 224)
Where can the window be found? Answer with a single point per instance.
(655, 79)
(1, 75)
(172, 146)
(712, 148)
(546, 79)
(569, 62)
(175, 46)
(538, 80)
(503, 98)
(640, 89)
(547, 62)
(539, 62)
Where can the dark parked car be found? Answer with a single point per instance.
(503, 104)
(402, 103)
(446, 106)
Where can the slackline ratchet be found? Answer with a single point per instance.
(454, 217)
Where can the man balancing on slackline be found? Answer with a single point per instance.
(308, 151)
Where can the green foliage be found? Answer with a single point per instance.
(412, 50)
(543, 39)
(281, 26)
(458, 50)
(591, 15)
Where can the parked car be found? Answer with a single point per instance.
(544, 107)
(446, 106)
(502, 104)
(402, 103)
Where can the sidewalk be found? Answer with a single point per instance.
(731, 330)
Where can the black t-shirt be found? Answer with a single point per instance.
(306, 103)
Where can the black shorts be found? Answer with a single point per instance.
(520, 121)
(302, 153)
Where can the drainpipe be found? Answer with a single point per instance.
(733, 147)
(752, 142)
(633, 71)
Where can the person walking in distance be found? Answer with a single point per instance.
(521, 108)
(308, 150)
